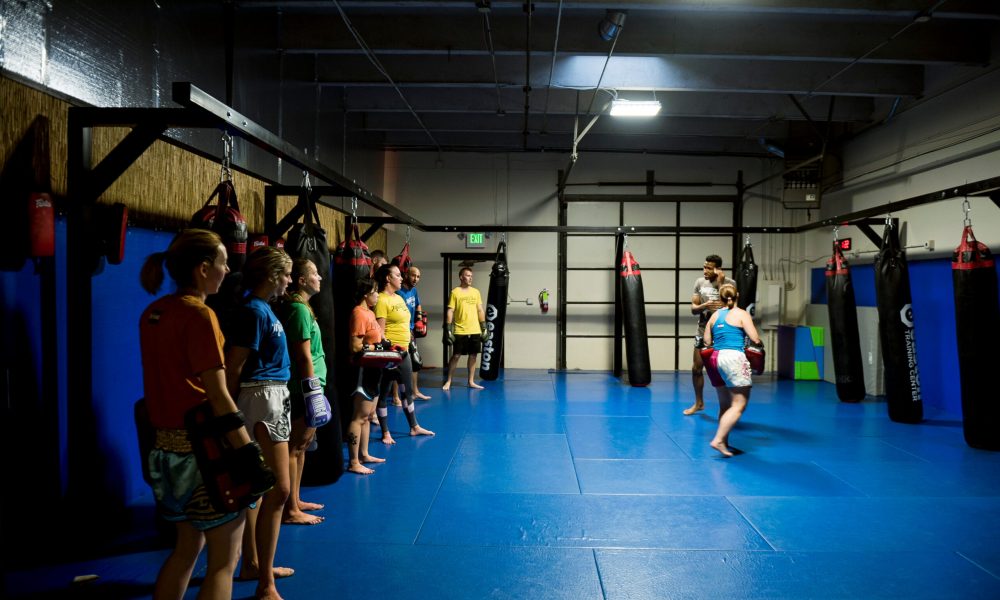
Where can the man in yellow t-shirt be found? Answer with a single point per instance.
(464, 326)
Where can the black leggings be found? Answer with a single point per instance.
(402, 375)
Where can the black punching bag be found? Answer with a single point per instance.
(895, 326)
(351, 262)
(496, 312)
(845, 341)
(308, 240)
(746, 280)
(977, 323)
(634, 313)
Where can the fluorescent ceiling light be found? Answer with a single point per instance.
(634, 108)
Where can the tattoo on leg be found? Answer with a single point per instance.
(352, 439)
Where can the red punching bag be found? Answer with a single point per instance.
(115, 226)
(41, 225)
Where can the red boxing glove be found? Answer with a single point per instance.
(709, 357)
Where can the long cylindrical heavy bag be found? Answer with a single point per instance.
(634, 315)
(308, 240)
(746, 281)
(351, 262)
(496, 313)
(895, 325)
(845, 341)
(977, 324)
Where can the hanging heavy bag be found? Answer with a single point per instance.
(746, 281)
(634, 312)
(226, 220)
(402, 260)
(308, 240)
(496, 314)
(895, 324)
(351, 262)
(845, 339)
(977, 325)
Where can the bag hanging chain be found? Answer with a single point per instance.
(967, 208)
(888, 221)
(354, 210)
(746, 240)
(407, 234)
(227, 152)
(307, 183)
(836, 234)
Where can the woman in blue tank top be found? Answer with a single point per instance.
(725, 332)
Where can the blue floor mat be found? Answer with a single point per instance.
(573, 485)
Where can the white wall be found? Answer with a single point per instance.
(477, 190)
(946, 141)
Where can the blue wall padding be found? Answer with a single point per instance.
(118, 302)
(934, 320)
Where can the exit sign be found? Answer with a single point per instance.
(475, 239)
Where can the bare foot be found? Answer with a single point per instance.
(418, 430)
(372, 459)
(446, 386)
(397, 402)
(268, 593)
(360, 469)
(421, 396)
(697, 407)
(310, 505)
(300, 518)
(387, 440)
(249, 573)
(475, 386)
(721, 447)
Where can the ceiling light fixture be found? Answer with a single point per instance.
(611, 25)
(635, 108)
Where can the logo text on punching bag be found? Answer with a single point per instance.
(906, 316)
(488, 345)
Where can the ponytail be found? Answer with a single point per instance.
(151, 276)
(728, 295)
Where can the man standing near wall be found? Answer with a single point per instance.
(704, 302)
(412, 299)
(465, 326)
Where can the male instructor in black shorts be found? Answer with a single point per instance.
(704, 302)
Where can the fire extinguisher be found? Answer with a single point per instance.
(41, 225)
(543, 300)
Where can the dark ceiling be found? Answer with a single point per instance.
(735, 77)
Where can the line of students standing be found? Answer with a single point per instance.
(269, 361)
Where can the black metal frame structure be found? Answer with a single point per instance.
(85, 184)
(678, 231)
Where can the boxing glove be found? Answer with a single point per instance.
(708, 358)
(318, 409)
(755, 356)
(483, 333)
(248, 464)
(449, 334)
(420, 324)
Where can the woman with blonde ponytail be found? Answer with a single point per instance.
(727, 331)
(308, 363)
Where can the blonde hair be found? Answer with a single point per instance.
(187, 250)
(263, 264)
(300, 267)
(728, 294)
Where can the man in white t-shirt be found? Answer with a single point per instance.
(704, 301)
